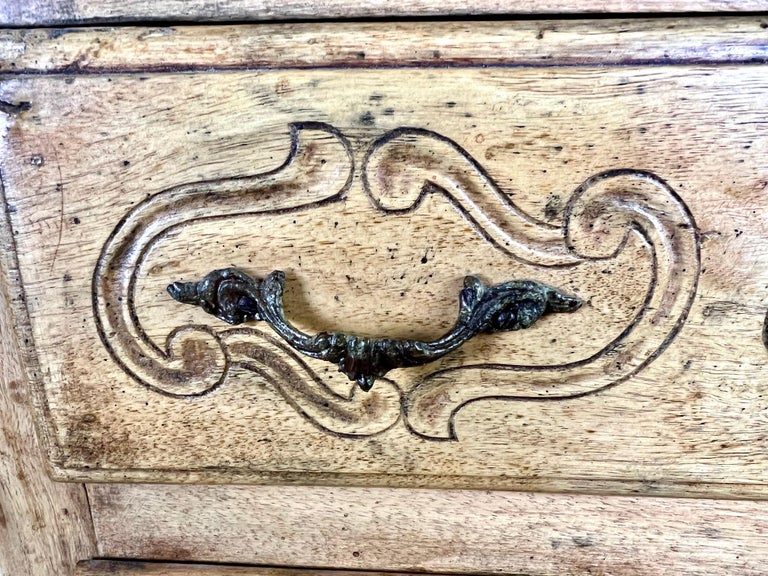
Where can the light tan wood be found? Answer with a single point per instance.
(118, 568)
(57, 12)
(688, 145)
(440, 531)
(45, 527)
(499, 43)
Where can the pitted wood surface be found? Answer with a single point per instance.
(543, 43)
(68, 12)
(45, 527)
(637, 188)
(118, 568)
(432, 530)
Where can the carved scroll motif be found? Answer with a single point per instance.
(194, 360)
(600, 215)
(398, 170)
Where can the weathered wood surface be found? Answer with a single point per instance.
(519, 43)
(433, 531)
(122, 568)
(45, 527)
(654, 386)
(58, 12)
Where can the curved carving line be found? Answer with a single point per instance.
(600, 218)
(195, 360)
(351, 415)
(406, 164)
(605, 213)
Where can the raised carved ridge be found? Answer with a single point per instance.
(404, 165)
(398, 170)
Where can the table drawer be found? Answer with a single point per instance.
(623, 172)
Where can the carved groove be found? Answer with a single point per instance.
(114, 279)
(603, 215)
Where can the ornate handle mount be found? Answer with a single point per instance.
(233, 296)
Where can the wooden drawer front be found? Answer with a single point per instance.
(640, 189)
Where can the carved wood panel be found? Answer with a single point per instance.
(636, 190)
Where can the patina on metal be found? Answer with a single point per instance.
(235, 297)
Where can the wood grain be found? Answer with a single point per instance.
(653, 387)
(118, 568)
(58, 12)
(505, 43)
(692, 417)
(45, 527)
(433, 531)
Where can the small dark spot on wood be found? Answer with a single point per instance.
(76, 220)
(367, 118)
(388, 112)
(11, 108)
(540, 35)
(126, 162)
(436, 54)
(450, 104)
(360, 55)
(67, 277)
(376, 97)
(583, 541)
(763, 25)
(37, 160)
(356, 554)
(765, 332)
(54, 33)
(553, 207)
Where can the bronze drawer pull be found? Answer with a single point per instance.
(233, 296)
